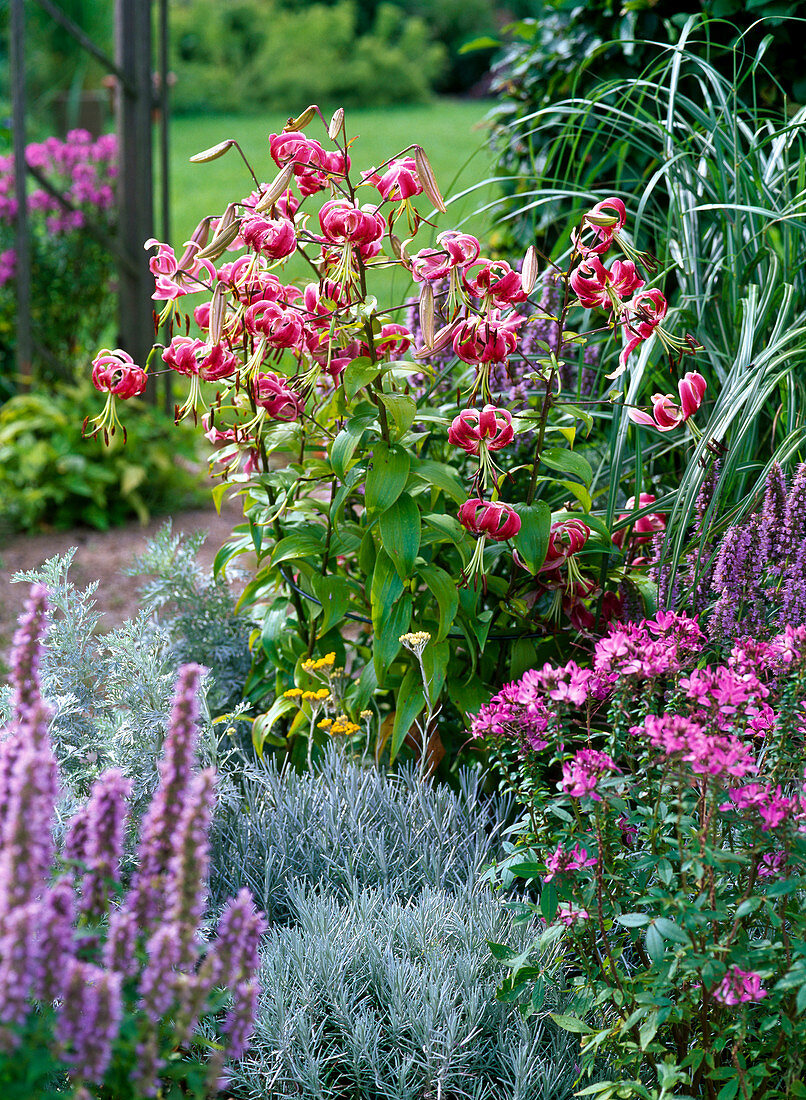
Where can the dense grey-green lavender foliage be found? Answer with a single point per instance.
(345, 827)
(378, 983)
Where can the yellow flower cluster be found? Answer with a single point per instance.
(341, 726)
(416, 641)
(323, 664)
(307, 696)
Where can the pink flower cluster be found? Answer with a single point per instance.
(652, 648)
(581, 774)
(739, 986)
(562, 860)
(82, 168)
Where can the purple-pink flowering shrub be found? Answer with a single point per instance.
(665, 832)
(103, 989)
(71, 271)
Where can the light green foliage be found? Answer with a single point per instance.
(256, 54)
(50, 475)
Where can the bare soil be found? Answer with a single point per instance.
(100, 555)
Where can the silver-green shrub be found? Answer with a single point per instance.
(380, 999)
(378, 982)
(346, 827)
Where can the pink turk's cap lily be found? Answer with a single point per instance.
(496, 520)
(666, 414)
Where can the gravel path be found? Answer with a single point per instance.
(100, 556)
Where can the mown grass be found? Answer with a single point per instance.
(451, 132)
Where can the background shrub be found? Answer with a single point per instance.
(257, 54)
(51, 476)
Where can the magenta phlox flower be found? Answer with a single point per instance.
(628, 831)
(572, 685)
(706, 753)
(562, 860)
(630, 650)
(517, 712)
(789, 647)
(752, 655)
(583, 771)
(772, 864)
(739, 986)
(569, 914)
(775, 809)
(761, 719)
(722, 689)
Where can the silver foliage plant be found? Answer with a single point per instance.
(110, 693)
(377, 978)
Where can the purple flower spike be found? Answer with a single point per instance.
(55, 948)
(106, 814)
(161, 820)
(235, 949)
(26, 653)
(186, 883)
(89, 1019)
(240, 1021)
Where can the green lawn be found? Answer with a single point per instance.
(450, 131)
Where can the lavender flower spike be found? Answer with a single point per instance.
(186, 883)
(27, 652)
(106, 815)
(161, 820)
(773, 520)
(89, 1020)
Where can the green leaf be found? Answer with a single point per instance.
(443, 589)
(800, 1003)
(648, 1031)
(571, 1023)
(440, 477)
(342, 449)
(402, 408)
(500, 951)
(568, 462)
(527, 869)
(400, 531)
(305, 544)
(262, 725)
(532, 541)
(359, 373)
(548, 902)
(653, 941)
(386, 586)
(729, 1090)
(633, 920)
(671, 931)
(387, 476)
(483, 42)
(388, 623)
(410, 702)
(334, 595)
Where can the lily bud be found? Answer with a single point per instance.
(213, 153)
(336, 123)
(218, 310)
(194, 245)
(278, 187)
(228, 228)
(301, 121)
(427, 178)
(529, 270)
(427, 313)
